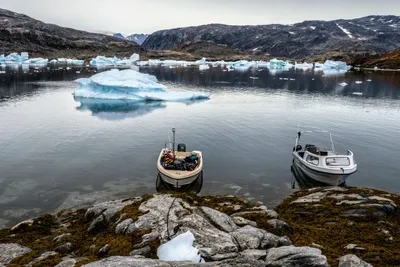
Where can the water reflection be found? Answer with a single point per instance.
(117, 109)
(195, 187)
(302, 180)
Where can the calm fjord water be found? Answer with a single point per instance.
(57, 152)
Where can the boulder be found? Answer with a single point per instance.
(240, 221)
(120, 261)
(98, 224)
(219, 219)
(249, 237)
(278, 224)
(60, 237)
(351, 260)
(109, 208)
(123, 226)
(65, 248)
(254, 253)
(295, 257)
(142, 251)
(9, 252)
(103, 251)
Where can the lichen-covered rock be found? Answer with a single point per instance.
(8, 252)
(219, 219)
(351, 260)
(296, 257)
(42, 257)
(119, 261)
(249, 237)
(60, 237)
(315, 197)
(278, 224)
(123, 226)
(65, 248)
(240, 221)
(141, 251)
(109, 209)
(98, 224)
(103, 251)
(254, 253)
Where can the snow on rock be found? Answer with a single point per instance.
(179, 249)
(130, 85)
(345, 31)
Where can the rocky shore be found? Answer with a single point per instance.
(318, 227)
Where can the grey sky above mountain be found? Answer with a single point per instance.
(147, 16)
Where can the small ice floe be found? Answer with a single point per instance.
(78, 71)
(357, 93)
(180, 249)
(343, 84)
(68, 68)
(254, 78)
(369, 80)
(204, 67)
(359, 82)
(286, 79)
(292, 79)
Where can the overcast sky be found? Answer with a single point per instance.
(147, 16)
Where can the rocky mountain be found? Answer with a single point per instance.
(138, 38)
(21, 33)
(387, 61)
(372, 34)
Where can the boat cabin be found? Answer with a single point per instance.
(323, 157)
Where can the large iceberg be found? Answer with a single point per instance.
(180, 249)
(15, 58)
(130, 85)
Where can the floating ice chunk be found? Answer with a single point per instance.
(53, 61)
(36, 61)
(179, 249)
(204, 67)
(369, 80)
(318, 65)
(359, 82)
(135, 57)
(277, 64)
(130, 85)
(104, 61)
(201, 61)
(2, 59)
(343, 84)
(337, 65)
(357, 93)
(304, 66)
(15, 58)
(254, 78)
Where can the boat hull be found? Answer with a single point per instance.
(323, 177)
(177, 183)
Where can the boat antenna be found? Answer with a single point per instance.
(333, 147)
(173, 142)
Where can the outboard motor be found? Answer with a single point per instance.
(181, 148)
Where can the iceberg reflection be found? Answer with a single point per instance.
(117, 109)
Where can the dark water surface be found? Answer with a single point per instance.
(57, 152)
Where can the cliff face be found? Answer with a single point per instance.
(19, 33)
(373, 34)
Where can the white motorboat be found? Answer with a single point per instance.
(323, 165)
(178, 167)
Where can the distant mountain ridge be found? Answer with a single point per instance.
(19, 33)
(138, 38)
(372, 34)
